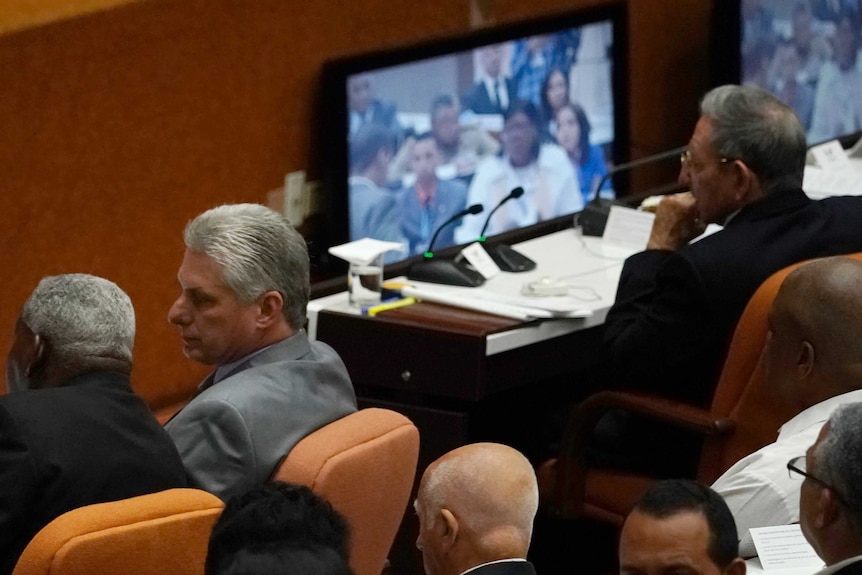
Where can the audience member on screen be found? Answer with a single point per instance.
(373, 207)
(430, 201)
(813, 359)
(279, 528)
(678, 302)
(493, 91)
(784, 83)
(543, 170)
(72, 431)
(588, 160)
(364, 108)
(244, 281)
(679, 526)
(476, 506)
(461, 144)
(555, 95)
(830, 497)
(811, 48)
(837, 103)
(534, 57)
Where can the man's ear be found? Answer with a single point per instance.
(828, 508)
(744, 180)
(271, 305)
(36, 360)
(450, 528)
(805, 360)
(736, 567)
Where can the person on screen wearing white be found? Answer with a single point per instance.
(813, 358)
(830, 498)
(543, 170)
(838, 101)
(588, 160)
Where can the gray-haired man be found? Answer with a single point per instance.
(72, 431)
(244, 280)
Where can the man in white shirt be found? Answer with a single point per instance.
(813, 355)
(476, 506)
(830, 498)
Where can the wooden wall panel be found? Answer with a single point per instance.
(117, 126)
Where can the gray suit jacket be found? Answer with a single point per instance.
(233, 435)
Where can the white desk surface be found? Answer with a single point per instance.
(590, 266)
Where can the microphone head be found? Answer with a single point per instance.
(476, 209)
(516, 193)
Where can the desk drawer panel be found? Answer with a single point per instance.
(406, 357)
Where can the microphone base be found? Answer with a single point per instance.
(447, 272)
(510, 260)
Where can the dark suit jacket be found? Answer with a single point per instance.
(854, 568)
(506, 568)
(90, 441)
(675, 311)
(478, 100)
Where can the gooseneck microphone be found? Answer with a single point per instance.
(471, 211)
(448, 272)
(513, 195)
(506, 258)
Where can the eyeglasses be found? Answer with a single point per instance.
(798, 465)
(685, 159)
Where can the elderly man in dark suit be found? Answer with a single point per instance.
(72, 431)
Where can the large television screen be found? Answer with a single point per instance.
(411, 136)
(806, 52)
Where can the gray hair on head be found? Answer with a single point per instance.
(838, 459)
(81, 316)
(752, 125)
(259, 251)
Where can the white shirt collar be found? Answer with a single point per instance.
(513, 560)
(817, 414)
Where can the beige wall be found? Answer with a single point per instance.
(119, 124)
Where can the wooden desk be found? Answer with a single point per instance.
(463, 376)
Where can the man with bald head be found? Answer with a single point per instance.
(476, 506)
(813, 357)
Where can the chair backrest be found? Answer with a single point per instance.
(164, 532)
(364, 464)
(741, 394)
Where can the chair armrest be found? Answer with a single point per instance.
(571, 467)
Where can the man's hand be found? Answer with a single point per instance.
(676, 223)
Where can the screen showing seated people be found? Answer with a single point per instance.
(807, 53)
(431, 137)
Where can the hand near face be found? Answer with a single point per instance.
(676, 223)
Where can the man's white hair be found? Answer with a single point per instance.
(81, 316)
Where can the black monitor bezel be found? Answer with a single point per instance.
(332, 144)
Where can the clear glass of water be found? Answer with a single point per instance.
(365, 282)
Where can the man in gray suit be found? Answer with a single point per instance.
(245, 286)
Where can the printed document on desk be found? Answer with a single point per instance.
(589, 269)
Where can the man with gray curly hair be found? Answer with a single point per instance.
(476, 506)
(830, 498)
(72, 431)
(245, 287)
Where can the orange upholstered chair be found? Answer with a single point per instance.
(164, 532)
(744, 416)
(364, 465)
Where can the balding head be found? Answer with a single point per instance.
(475, 504)
(816, 331)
